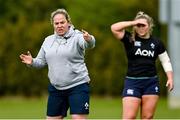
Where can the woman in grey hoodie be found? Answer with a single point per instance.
(63, 52)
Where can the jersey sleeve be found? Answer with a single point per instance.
(161, 47)
(128, 43)
(127, 37)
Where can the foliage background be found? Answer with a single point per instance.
(25, 24)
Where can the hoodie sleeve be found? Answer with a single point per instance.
(40, 60)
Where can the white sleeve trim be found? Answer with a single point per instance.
(165, 61)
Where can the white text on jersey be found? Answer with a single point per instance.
(144, 52)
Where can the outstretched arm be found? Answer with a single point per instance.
(87, 40)
(37, 62)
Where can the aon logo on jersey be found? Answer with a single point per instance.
(148, 53)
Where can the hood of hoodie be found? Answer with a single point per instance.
(67, 35)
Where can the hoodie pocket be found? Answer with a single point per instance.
(62, 75)
(78, 68)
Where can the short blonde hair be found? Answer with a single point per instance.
(60, 11)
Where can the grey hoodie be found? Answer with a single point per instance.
(65, 59)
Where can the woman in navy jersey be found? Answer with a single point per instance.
(141, 87)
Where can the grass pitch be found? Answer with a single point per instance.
(100, 108)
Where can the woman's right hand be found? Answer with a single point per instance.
(140, 21)
(27, 59)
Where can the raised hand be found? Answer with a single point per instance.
(26, 58)
(141, 22)
(86, 35)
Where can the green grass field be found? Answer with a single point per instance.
(100, 108)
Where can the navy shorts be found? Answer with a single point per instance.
(76, 98)
(137, 87)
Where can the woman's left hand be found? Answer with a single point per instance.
(170, 84)
(86, 35)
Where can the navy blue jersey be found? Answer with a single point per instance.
(142, 54)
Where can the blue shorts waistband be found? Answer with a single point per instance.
(141, 77)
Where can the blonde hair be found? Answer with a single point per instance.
(60, 11)
(149, 19)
